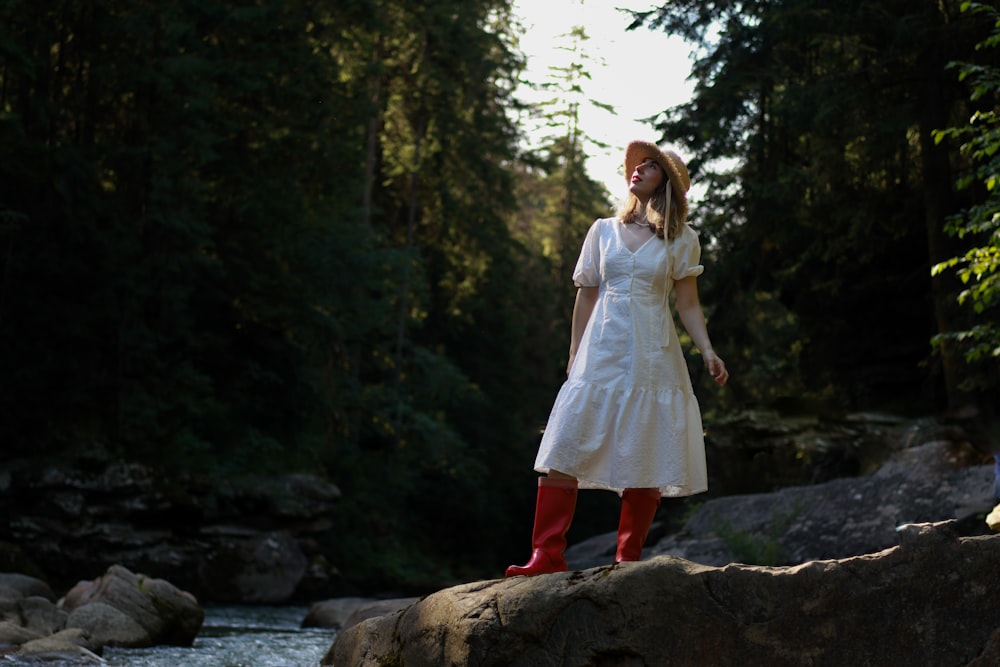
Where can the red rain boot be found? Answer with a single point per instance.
(553, 514)
(638, 509)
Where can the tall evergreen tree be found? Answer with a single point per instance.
(837, 206)
(444, 393)
(564, 145)
(176, 224)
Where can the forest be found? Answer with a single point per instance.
(241, 237)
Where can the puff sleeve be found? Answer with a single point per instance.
(685, 253)
(588, 266)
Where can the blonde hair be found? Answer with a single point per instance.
(654, 211)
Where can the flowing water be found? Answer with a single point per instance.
(238, 637)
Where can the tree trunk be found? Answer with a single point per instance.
(371, 136)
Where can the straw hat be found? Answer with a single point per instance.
(672, 165)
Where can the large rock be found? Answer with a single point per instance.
(41, 615)
(932, 601)
(67, 647)
(333, 614)
(839, 518)
(109, 626)
(15, 634)
(131, 610)
(27, 610)
(118, 609)
(252, 568)
(17, 586)
(340, 613)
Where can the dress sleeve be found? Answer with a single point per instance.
(588, 267)
(686, 253)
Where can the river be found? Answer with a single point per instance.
(238, 636)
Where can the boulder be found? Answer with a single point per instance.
(14, 585)
(165, 614)
(332, 614)
(341, 613)
(253, 568)
(41, 615)
(67, 647)
(931, 600)
(118, 609)
(109, 626)
(27, 610)
(377, 609)
(15, 634)
(836, 519)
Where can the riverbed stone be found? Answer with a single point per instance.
(253, 568)
(931, 601)
(15, 585)
(41, 615)
(109, 626)
(67, 647)
(333, 613)
(14, 634)
(166, 614)
(339, 613)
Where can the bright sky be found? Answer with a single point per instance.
(643, 72)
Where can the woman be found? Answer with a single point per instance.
(626, 419)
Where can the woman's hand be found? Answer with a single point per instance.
(716, 367)
(689, 308)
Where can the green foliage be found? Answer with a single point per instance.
(979, 267)
(825, 196)
(158, 297)
(572, 199)
(768, 353)
(265, 237)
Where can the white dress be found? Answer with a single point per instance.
(627, 417)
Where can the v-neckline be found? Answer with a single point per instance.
(621, 237)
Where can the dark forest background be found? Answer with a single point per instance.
(259, 237)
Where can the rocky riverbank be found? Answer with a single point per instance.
(864, 484)
(843, 517)
(252, 541)
(120, 608)
(267, 540)
(892, 567)
(929, 602)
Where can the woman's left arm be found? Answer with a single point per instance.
(689, 309)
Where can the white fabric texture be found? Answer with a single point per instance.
(627, 416)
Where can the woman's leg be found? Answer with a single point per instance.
(554, 508)
(638, 509)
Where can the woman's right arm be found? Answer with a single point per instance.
(586, 299)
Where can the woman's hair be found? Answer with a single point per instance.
(655, 211)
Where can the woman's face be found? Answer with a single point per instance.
(647, 176)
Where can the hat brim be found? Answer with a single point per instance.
(672, 166)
